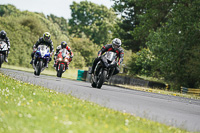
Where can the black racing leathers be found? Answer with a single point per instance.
(108, 47)
(47, 43)
(42, 42)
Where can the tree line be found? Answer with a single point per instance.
(160, 38)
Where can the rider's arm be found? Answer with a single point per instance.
(57, 50)
(8, 43)
(51, 47)
(103, 50)
(121, 56)
(70, 51)
(37, 43)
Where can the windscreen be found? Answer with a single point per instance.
(110, 56)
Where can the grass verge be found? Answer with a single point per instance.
(191, 96)
(28, 108)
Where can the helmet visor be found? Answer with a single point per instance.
(63, 45)
(116, 46)
(46, 38)
(3, 36)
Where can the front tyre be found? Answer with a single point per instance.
(38, 68)
(93, 84)
(1, 59)
(60, 71)
(101, 78)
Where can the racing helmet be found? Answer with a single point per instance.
(46, 36)
(2, 34)
(116, 43)
(63, 44)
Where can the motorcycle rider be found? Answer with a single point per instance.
(61, 46)
(5, 39)
(45, 40)
(114, 47)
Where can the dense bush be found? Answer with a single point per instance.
(25, 28)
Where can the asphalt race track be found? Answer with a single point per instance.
(171, 110)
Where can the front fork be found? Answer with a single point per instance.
(58, 66)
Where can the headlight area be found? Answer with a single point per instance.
(66, 60)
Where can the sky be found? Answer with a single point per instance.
(60, 8)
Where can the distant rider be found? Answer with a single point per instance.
(45, 40)
(114, 47)
(5, 39)
(61, 46)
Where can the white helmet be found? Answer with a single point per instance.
(116, 43)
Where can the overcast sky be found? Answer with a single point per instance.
(60, 8)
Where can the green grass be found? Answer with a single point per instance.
(28, 109)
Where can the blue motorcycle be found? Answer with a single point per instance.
(41, 58)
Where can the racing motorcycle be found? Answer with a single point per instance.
(41, 58)
(104, 69)
(3, 50)
(62, 62)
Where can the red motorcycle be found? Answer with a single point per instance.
(62, 62)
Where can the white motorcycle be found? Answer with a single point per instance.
(42, 56)
(3, 50)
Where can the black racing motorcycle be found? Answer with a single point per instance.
(104, 69)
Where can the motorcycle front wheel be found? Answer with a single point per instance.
(1, 59)
(101, 78)
(60, 71)
(38, 68)
(93, 84)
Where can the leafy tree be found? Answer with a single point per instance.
(175, 45)
(138, 17)
(61, 22)
(87, 49)
(141, 63)
(170, 31)
(127, 10)
(9, 9)
(95, 21)
(24, 28)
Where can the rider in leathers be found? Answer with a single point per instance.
(61, 46)
(45, 40)
(4, 38)
(114, 47)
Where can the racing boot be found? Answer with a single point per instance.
(6, 59)
(31, 61)
(47, 65)
(54, 65)
(91, 71)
